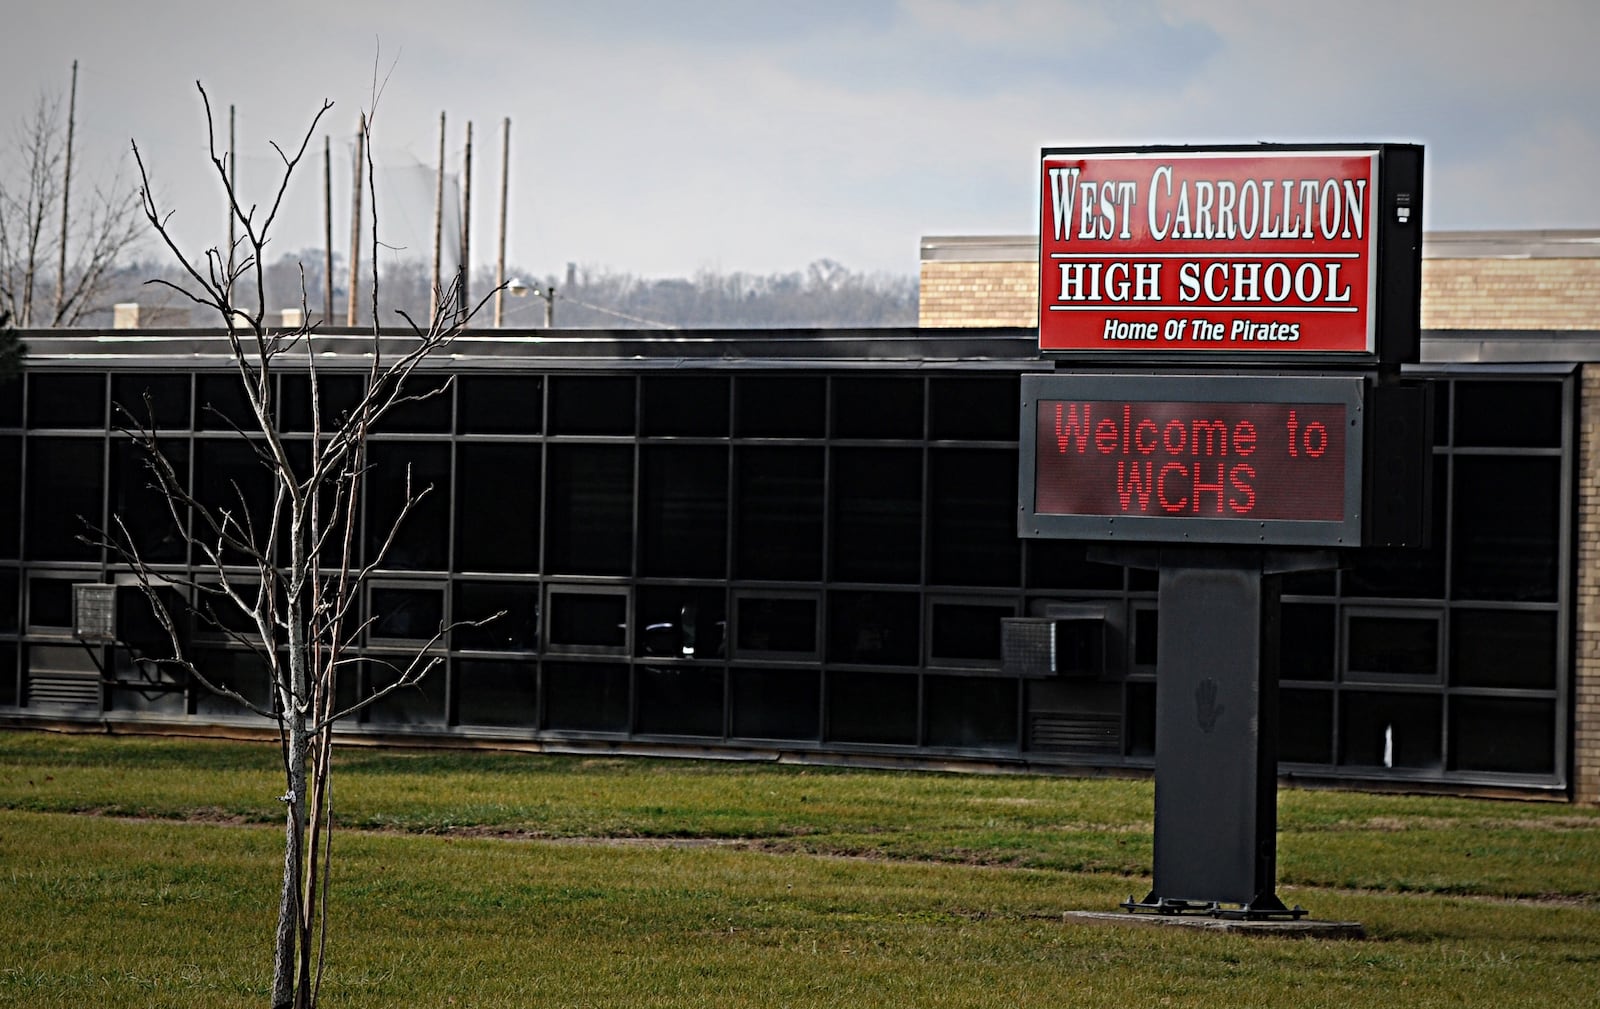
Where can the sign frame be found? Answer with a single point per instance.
(1346, 390)
(1391, 271)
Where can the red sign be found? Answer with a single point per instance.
(1242, 461)
(1205, 251)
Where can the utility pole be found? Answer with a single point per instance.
(438, 228)
(66, 191)
(355, 225)
(233, 187)
(327, 231)
(500, 259)
(466, 225)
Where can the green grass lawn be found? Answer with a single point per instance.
(515, 880)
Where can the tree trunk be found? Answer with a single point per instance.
(283, 956)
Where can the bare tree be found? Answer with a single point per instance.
(37, 286)
(287, 568)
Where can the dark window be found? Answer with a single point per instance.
(779, 533)
(1503, 648)
(405, 613)
(589, 697)
(67, 401)
(591, 405)
(1406, 573)
(422, 541)
(497, 693)
(221, 405)
(1509, 735)
(781, 624)
(1507, 518)
(973, 512)
(146, 400)
(877, 408)
(1441, 411)
(516, 629)
(1146, 631)
(684, 407)
(974, 409)
(680, 700)
(66, 492)
(590, 509)
(337, 395)
(1390, 730)
(420, 703)
(10, 598)
(1141, 732)
(966, 633)
(877, 515)
(500, 404)
(235, 489)
(423, 407)
(9, 694)
(137, 624)
(50, 603)
(588, 619)
(1500, 414)
(1393, 646)
(1311, 583)
(978, 712)
(872, 708)
(1305, 726)
(684, 511)
(776, 703)
(1064, 564)
(1307, 641)
(136, 498)
(780, 407)
(497, 507)
(243, 672)
(681, 622)
(874, 628)
(11, 401)
(10, 500)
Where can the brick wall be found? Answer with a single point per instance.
(1586, 688)
(978, 294)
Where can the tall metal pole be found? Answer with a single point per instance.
(500, 258)
(327, 231)
(233, 180)
(66, 192)
(355, 225)
(438, 228)
(466, 224)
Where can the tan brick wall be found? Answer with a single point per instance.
(1511, 293)
(979, 294)
(1456, 294)
(1586, 690)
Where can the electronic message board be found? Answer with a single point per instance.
(1269, 460)
(1231, 253)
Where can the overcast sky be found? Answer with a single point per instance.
(665, 137)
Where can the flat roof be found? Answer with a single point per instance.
(1527, 244)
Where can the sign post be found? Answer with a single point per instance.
(1227, 325)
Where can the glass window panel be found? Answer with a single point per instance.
(872, 708)
(682, 622)
(404, 613)
(976, 409)
(500, 404)
(684, 407)
(229, 478)
(1505, 735)
(10, 601)
(1496, 414)
(874, 628)
(1391, 730)
(679, 700)
(1507, 525)
(1406, 573)
(590, 509)
(10, 693)
(1146, 630)
(497, 507)
(243, 672)
(973, 513)
(1393, 645)
(67, 401)
(966, 633)
(683, 511)
(337, 394)
(1305, 726)
(420, 703)
(1141, 720)
(11, 500)
(779, 509)
(422, 541)
(161, 399)
(137, 623)
(1503, 648)
(777, 624)
(589, 404)
(11, 401)
(590, 697)
(588, 619)
(776, 703)
(971, 712)
(427, 407)
(66, 492)
(1307, 641)
(142, 506)
(877, 515)
(221, 405)
(877, 408)
(780, 407)
(517, 629)
(497, 693)
(50, 603)
(1064, 564)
